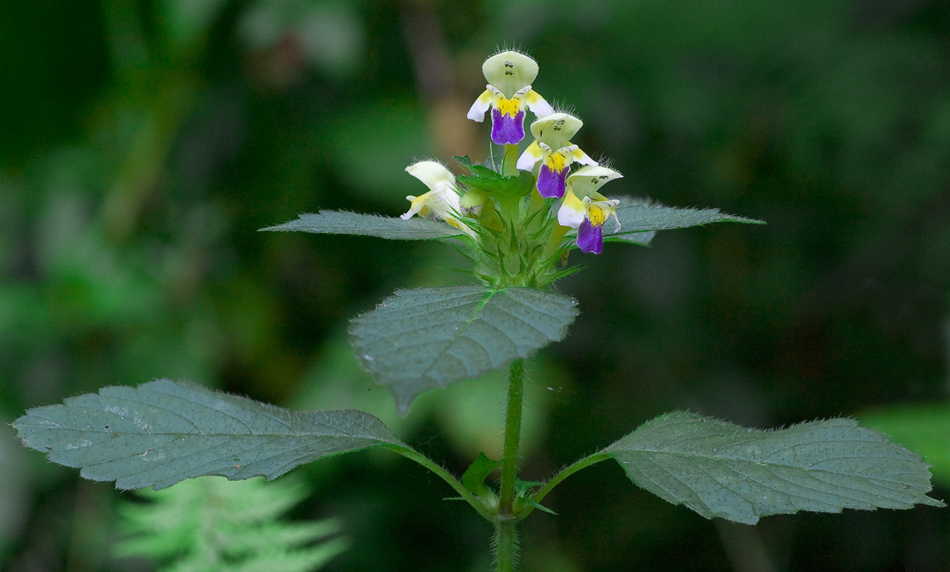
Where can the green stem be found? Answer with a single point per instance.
(506, 546)
(509, 167)
(509, 465)
(554, 241)
(428, 463)
(506, 536)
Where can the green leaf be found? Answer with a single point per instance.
(522, 489)
(506, 189)
(476, 473)
(421, 339)
(638, 215)
(478, 171)
(723, 470)
(530, 501)
(393, 228)
(641, 238)
(163, 432)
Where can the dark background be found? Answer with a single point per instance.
(142, 144)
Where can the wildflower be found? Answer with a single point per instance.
(590, 211)
(442, 202)
(553, 148)
(509, 76)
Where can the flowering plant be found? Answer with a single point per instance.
(517, 217)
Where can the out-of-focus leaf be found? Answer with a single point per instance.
(476, 473)
(187, 20)
(723, 470)
(421, 339)
(200, 523)
(924, 428)
(163, 432)
(342, 222)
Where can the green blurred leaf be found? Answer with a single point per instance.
(924, 428)
(200, 523)
(476, 473)
(163, 432)
(394, 228)
(370, 143)
(638, 215)
(719, 469)
(421, 339)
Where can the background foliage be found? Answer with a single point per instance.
(144, 143)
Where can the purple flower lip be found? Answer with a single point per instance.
(551, 183)
(505, 129)
(590, 238)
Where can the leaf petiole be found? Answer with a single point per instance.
(453, 482)
(560, 476)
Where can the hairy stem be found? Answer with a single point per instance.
(506, 536)
(509, 465)
(447, 477)
(506, 546)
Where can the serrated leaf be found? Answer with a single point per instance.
(393, 228)
(719, 469)
(163, 432)
(638, 215)
(421, 339)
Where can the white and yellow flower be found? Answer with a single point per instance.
(553, 149)
(508, 92)
(442, 202)
(585, 209)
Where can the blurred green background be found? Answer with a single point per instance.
(142, 144)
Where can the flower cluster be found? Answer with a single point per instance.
(526, 236)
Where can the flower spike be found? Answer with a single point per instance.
(508, 92)
(553, 149)
(442, 202)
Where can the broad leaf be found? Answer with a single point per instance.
(723, 470)
(394, 228)
(638, 215)
(163, 432)
(421, 339)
